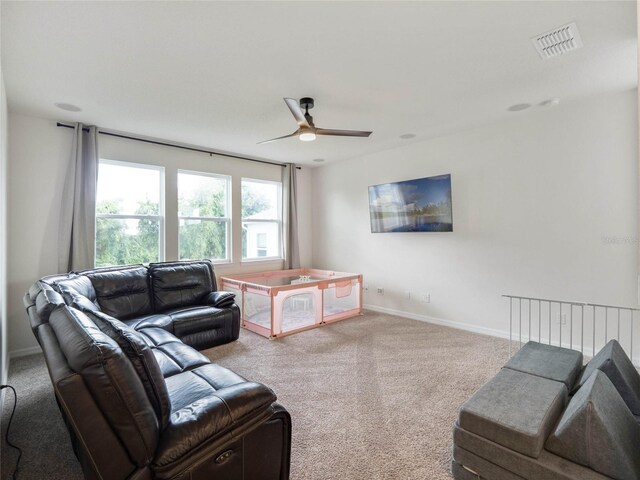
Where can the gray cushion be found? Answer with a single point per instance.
(516, 410)
(548, 361)
(614, 362)
(598, 430)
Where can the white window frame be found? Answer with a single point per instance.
(226, 219)
(160, 217)
(280, 256)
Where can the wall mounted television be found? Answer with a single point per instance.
(420, 205)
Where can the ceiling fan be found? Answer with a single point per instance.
(307, 131)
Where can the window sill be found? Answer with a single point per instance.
(262, 259)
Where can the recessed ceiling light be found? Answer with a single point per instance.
(68, 107)
(552, 102)
(518, 107)
(407, 136)
(318, 160)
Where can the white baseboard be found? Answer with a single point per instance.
(23, 352)
(440, 321)
(587, 350)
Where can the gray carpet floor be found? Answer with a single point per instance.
(371, 398)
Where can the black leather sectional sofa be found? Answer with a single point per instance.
(139, 401)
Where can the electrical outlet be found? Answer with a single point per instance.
(380, 291)
(366, 288)
(426, 298)
(407, 295)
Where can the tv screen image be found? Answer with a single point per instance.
(420, 205)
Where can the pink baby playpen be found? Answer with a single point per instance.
(282, 302)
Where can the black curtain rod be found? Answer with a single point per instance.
(165, 144)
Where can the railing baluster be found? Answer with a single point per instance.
(520, 321)
(571, 325)
(539, 321)
(510, 323)
(582, 329)
(529, 337)
(631, 336)
(560, 323)
(593, 349)
(618, 317)
(549, 323)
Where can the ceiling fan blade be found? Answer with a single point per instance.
(342, 133)
(279, 138)
(297, 112)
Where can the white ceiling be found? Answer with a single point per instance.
(214, 73)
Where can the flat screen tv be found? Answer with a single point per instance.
(420, 205)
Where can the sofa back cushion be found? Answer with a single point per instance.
(597, 430)
(143, 360)
(112, 380)
(77, 289)
(122, 293)
(614, 362)
(181, 284)
(46, 301)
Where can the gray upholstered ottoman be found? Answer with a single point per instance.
(523, 424)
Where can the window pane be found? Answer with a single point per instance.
(260, 200)
(123, 241)
(260, 239)
(128, 190)
(202, 195)
(203, 239)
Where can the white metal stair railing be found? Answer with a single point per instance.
(571, 324)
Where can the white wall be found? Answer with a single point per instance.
(38, 155)
(4, 364)
(543, 205)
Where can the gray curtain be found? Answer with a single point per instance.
(77, 234)
(290, 223)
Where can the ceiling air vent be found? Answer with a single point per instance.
(558, 41)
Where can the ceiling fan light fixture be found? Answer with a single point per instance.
(307, 136)
(307, 131)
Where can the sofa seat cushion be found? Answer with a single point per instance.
(516, 410)
(547, 361)
(598, 430)
(172, 355)
(158, 320)
(207, 403)
(614, 362)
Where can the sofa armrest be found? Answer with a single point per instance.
(220, 299)
(207, 419)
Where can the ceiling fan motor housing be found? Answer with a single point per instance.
(306, 103)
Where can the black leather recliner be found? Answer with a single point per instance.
(138, 401)
(180, 297)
